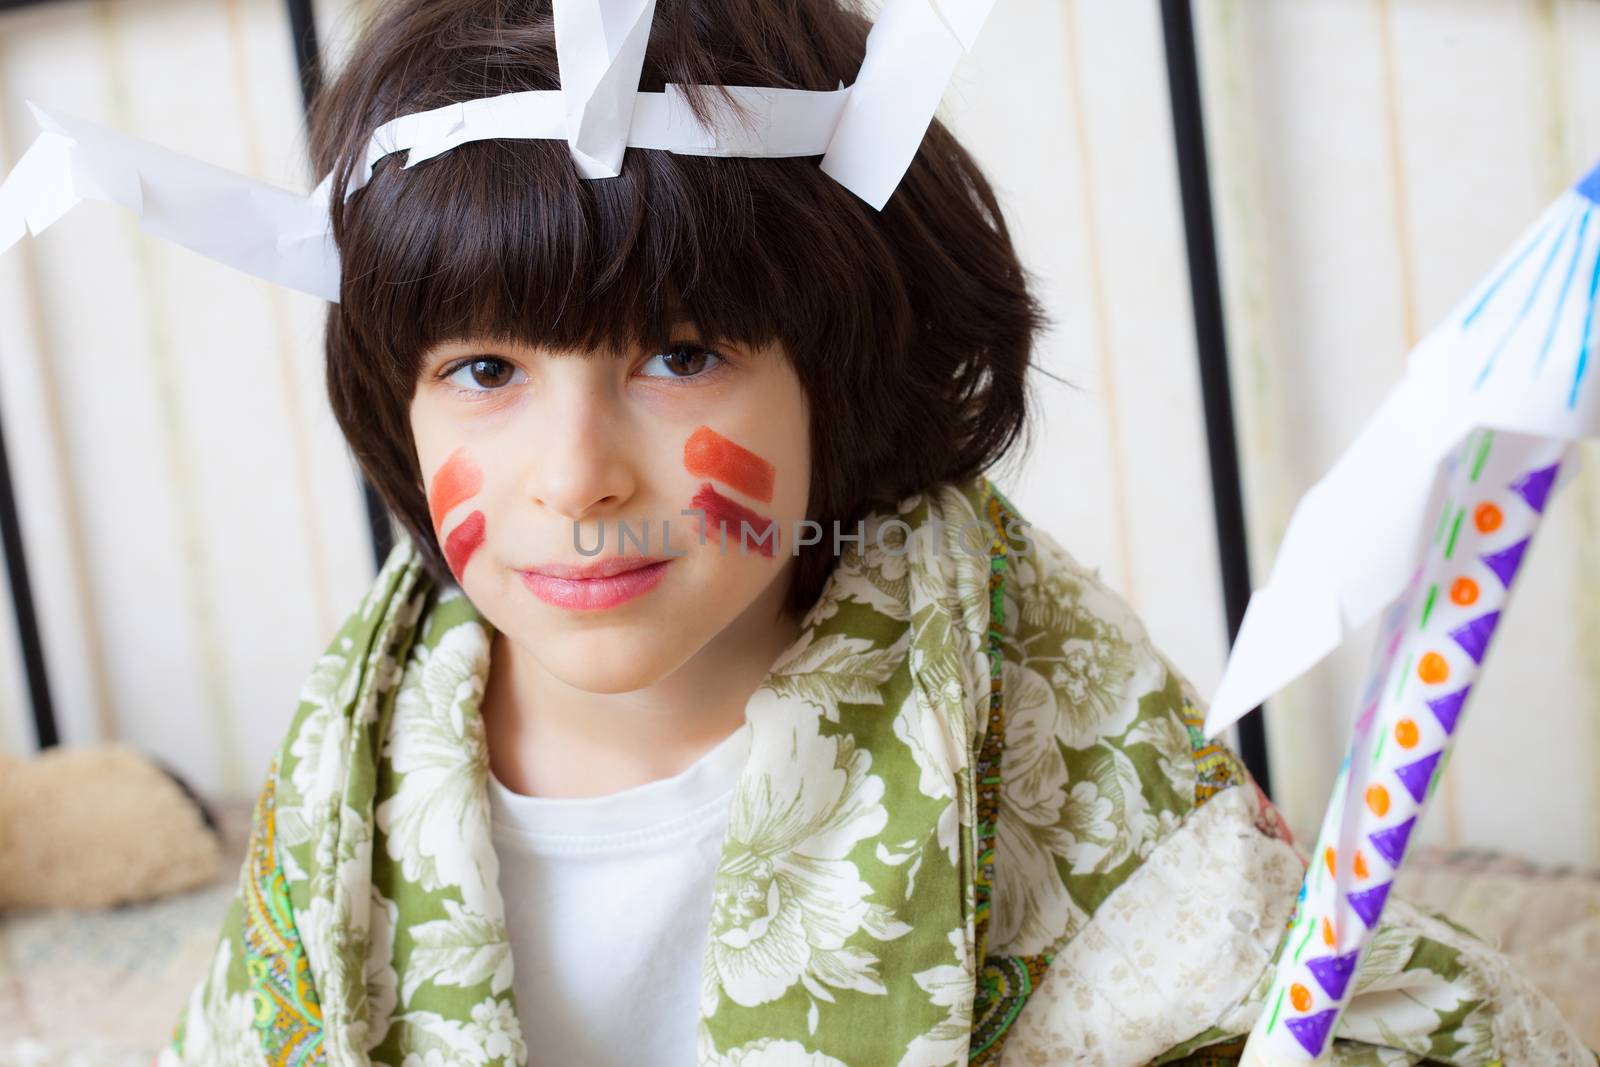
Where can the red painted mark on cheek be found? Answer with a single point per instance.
(708, 454)
(463, 542)
(457, 480)
(720, 510)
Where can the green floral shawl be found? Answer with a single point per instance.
(978, 820)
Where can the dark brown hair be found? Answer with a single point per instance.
(910, 329)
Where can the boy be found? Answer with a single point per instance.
(716, 708)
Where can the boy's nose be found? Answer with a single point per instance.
(580, 463)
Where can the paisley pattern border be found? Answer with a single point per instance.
(288, 1016)
(1003, 982)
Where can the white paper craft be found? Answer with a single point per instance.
(866, 134)
(1428, 516)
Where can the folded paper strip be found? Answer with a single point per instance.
(866, 133)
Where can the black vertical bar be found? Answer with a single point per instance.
(308, 57)
(1188, 130)
(33, 665)
(44, 714)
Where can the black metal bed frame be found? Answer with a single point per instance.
(1183, 83)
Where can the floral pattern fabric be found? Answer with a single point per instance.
(978, 823)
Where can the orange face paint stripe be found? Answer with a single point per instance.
(457, 480)
(708, 454)
(463, 542)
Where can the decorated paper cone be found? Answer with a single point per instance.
(1518, 354)
(1433, 642)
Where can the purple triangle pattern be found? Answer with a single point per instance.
(1333, 972)
(1369, 903)
(1534, 487)
(1474, 636)
(1392, 842)
(1447, 709)
(1505, 562)
(1312, 1031)
(1416, 776)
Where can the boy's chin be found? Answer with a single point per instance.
(619, 660)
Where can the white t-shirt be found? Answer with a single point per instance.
(607, 903)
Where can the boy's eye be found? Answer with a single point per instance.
(684, 360)
(481, 374)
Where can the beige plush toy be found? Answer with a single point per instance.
(96, 826)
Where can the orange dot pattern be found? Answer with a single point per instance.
(1406, 733)
(1378, 800)
(1433, 669)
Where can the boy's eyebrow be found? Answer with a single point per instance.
(443, 351)
(679, 325)
(476, 343)
(457, 347)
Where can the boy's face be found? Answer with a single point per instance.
(521, 448)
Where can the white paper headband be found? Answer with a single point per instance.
(866, 133)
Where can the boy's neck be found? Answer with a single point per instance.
(549, 739)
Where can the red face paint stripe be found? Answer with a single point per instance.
(463, 542)
(458, 479)
(719, 509)
(708, 454)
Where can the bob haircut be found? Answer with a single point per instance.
(910, 330)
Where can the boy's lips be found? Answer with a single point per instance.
(599, 585)
(603, 568)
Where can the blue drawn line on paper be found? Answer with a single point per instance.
(1533, 295)
(1588, 334)
(1566, 287)
(1516, 262)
